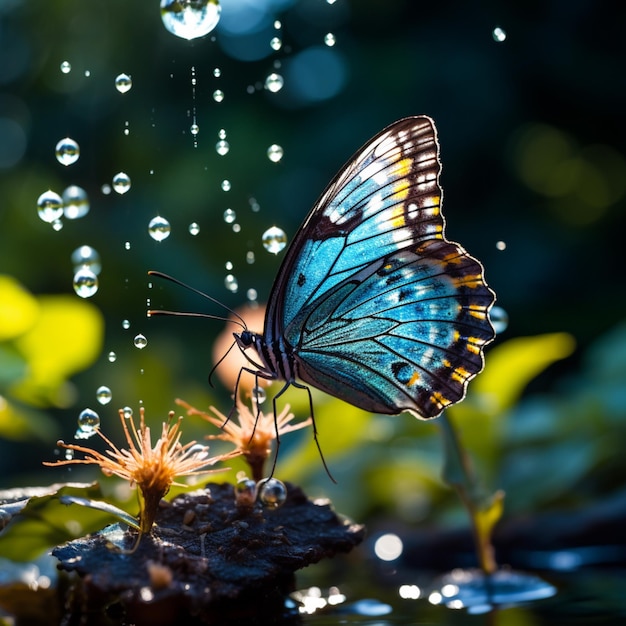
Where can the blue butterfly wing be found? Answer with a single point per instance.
(375, 305)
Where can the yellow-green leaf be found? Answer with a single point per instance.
(18, 308)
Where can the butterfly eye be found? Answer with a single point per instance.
(245, 339)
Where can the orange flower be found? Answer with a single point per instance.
(152, 469)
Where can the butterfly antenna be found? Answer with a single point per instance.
(232, 345)
(241, 321)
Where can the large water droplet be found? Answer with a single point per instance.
(66, 67)
(194, 228)
(190, 19)
(229, 216)
(231, 283)
(498, 34)
(222, 147)
(159, 228)
(88, 258)
(103, 394)
(140, 341)
(75, 202)
(85, 283)
(121, 182)
(499, 319)
(274, 239)
(245, 491)
(123, 83)
(88, 423)
(67, 151)
(50, 206)
(272, 492)
(218, 95)
(274, 82)
(275, 153)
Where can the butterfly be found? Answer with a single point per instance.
(372, 304)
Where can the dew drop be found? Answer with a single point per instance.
(127, 245)
(499, 319)
(125, 324)
(140, 341)
(276, 43)
(274, 82)
(272, 492)
(225, 185)
(67, 151)
(274, 239)
(127, 412)
(87, 73)
(498, 34)
(123, 83)
(250, 257)
(222, 147)
(159, 228)
(228, 265)
(66, 67)
(229, 216)
(121, 182)
(252, 294)
(236, 228)
(88, 423)
(103, 394)
(57, 225)
(277, 25)
(501, 245)
(75, 202)
(330, 40)
(112, 357)
(254, 205)
(245, 491)
(195, 129)
(199, 452)
(222, 134)
(217, 72)
(69, 455)
(275, 153)
(88, 258)
(230, 282)
(85, 283)
(218, 95)
(105, 189)
(190, 19)
(194, 228)
(49, 206)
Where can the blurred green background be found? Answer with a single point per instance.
(531, 129)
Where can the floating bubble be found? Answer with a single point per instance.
(112, 357)
(272, 493)
(88, 423)
(121, 182)
(221, 134)
(330, 40)
(274, 239)
(127, 245)
(125, 324)
(501, 245)
(140, 341)
(50, 206)
(87, 73)
(123, 83)
(276, 43)
(190, 19)
(105, 189)
(274, 82)
(275, 153)
(231, 283)
(127, 412)
(88, 258)
(225, 185)
(159, 228)
(66, 68)
(228, 265)
(498, 34)
(103, 394)
(85, 283)
(195, 129)
(236, 228)
(69, 455)
(217, 72)
(57, 225)
(499, 319)
(67, 151)
(254, 205)
(222, 147)
(278, 25)
(218, 95)
(194, 228)
(250, 258)
(75, 202)
(229, 216)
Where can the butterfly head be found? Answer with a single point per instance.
(247, 339)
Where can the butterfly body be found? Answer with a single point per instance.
(372, 304)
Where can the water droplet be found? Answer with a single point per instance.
(222, 134)
(159, 228)
(190, 19)
(225, 185)
(140, 341)
(125, 324)
(199, 451)
(222, 147)
(230, 282)
(112, 357)
(218, 95)
(245, 491)
(272, 492)
(87, 73)
(228, 265)
(229, 216)
(67, 151)
(66, 68)
(194, 228)
(250, 257)
(278, 25)
(276, 43)
(498, 34)
(105, 189)
(274, 82)
(123, 83)
(127, 412)
(254, 205)
(236, 228)
(501, 245)
(195, 129)
(499, 319)
(121, 182)
(103, 394)
(127, 245)
(258, 393)
(329, 40)
(50, 206)
(252, 294)
(85, 283)
(57, 225)
(86, 257)
(69, 455)
(75, 202)
(217, 72)
(275, 153)
(274, 239)
(88, 423)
